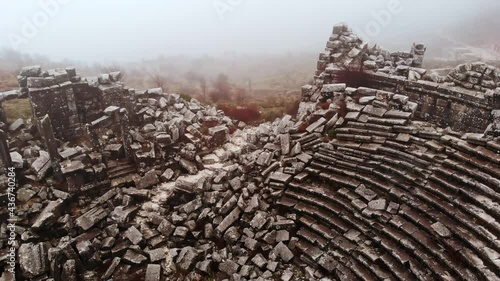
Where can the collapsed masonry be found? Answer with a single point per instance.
(365, 183)
(464, 100)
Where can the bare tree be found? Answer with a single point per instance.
(158, 80)
(203, 86)
(240, 94)
(222, 88)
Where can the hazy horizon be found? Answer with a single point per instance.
(128, 30)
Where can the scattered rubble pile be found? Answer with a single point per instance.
(360, 185)
(465, 100)
(477, 75)
(345, 50)
(168, 197)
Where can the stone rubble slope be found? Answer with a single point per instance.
(198, 204)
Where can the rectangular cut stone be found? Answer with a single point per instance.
(218, 135)
(110, 270)
(280, 177)
(398, 114)
(285, 144)
(33, 259)
(72, 166)
(353, 115)
(49, 214)
(316, 124)
(69, 152)
(41, 165)
(102, 122)
(90, 218)
(153, 272)
(330, 88)
(375, 111)
(304, 157)
(228, 221)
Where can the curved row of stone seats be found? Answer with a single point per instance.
(346, 203)
(392, 144)
(458, 222)
(472, 171)
(475, 191)
(482, 165)
(339, 181)
(413, 229)
(328, 232)
(478, 151)
(400, 253)
(373, 256)
(327, 259)
(469, 205)
(459, 203)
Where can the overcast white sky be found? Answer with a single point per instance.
(129, 30)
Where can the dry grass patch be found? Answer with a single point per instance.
(17, 108)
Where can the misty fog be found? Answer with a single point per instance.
(125, 30)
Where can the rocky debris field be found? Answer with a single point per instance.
(198, 205)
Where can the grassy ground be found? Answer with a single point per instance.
(8, 81)
(17, 108)
(14, 109)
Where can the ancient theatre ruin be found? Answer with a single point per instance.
(398, 178)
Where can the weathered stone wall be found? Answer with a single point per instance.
(88, 102)
(347, 51)
(117, 95)
(92, 100)
(459, 108)
(70, 100)
(464, 100)
(58, 102)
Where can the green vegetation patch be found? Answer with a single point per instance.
(17, 108)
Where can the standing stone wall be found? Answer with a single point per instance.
(70, 100)
(459, 108)
(58, 102)
(117, 95)
(88, 102)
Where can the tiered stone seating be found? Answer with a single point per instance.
(400, 253)
(400, 201)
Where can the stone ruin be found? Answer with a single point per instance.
(397, 181)
(69, 100)
(463, 100)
